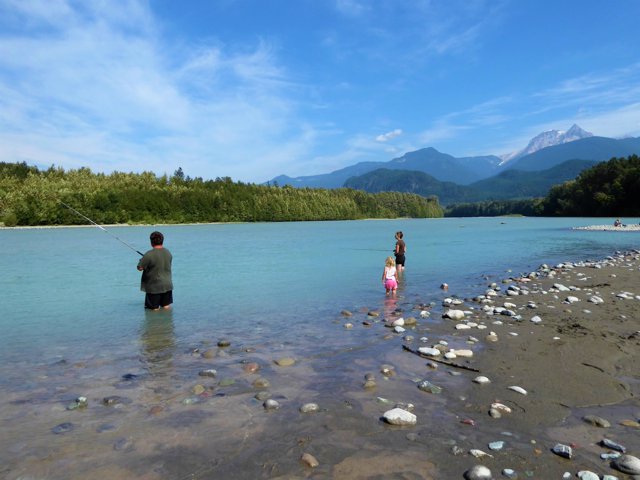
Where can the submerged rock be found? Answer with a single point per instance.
(63, 428)
(563, 450)
(596, 421)
(310, 460)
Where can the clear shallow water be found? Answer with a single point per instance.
(72, 324)
(70, 291)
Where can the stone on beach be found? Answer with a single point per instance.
(481, 379)
(596, 421)
(518, 389)
(478, 472)
(398, 416)
(627, 464)
(563, 450)
(310, 460)
(453, 314)
(285, 362)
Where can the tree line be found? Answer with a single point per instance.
(30, 196)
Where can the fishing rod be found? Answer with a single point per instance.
(101, 228)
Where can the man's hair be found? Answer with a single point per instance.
(156, 238)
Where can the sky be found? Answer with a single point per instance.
(251, 89)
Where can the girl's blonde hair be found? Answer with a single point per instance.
(390, 262)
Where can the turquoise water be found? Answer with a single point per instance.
(69, 291)
(73, 324)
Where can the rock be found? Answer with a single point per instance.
(388, 370)
(481, 380)
(208, 354)
(478, 472)
(427, 386)
(224, 343)
(562, 450)
(62, 428)
(115, 400)
(520, 390)
(309, 408)
(410, 321)
(80, 402)
(463, 353)
(572, 299)
(251, 367)
(499, 445)
(587, 475)
(369, 384)
(605, 442)
(310, 460)
(346, 313)
(208, 373)
(262, 396)
(453, 314)
(398, 416)
(500, 407)
(398, 322)
(398, 329)
(285, 362)
(432, 352)
(261, 383)
(509, 473)
(627, 464)
(536, 319)
(595, 299)
(348, 325)
(198, 389)
(479, 453)
(596, 421)
(271, 404)
(227, 382)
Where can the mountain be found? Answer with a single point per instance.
(410, 181)
(548, 139)
(597, 149)
(510, 184)
(442, 166)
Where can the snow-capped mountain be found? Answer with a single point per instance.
(548, 139)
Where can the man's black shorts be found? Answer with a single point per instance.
(154, 301)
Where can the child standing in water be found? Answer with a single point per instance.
(390, 276)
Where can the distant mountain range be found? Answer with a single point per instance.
(550, 158)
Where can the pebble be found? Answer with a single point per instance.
(520, 390)
(251, 367)
(271, 404)
(587, 475)
(479, 453)
(261, 383)
(285, 362)
(310, 460)
(224, 343)
(427, 386)
(309, 408)
(198, 389)
(62, 428)
(478, 472)
(432, 352)
(398, 416)
(481, 380)
(536, 319)
(208, 373)
(596, 421)
(563, 450)
(499, 445)
(605, 442)
(509, 473)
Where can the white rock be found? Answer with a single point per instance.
(450, 355)
(536, 319)
(479, 453)
(587, 475)
(560, 287)
(399, 322)
(478, 472)
(399, 329)
(398, 416)
(572, 299)
(502, 408)
(454, 314)
(462, 326)
(464, 353)
(432, 352)
(481, 379)
(595, 299)
(520, 390)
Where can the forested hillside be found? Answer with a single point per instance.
(607, 189)
(29, 196)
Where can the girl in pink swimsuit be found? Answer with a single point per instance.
(389, 276)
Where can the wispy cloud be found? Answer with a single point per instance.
(98, 82)
(385, 137)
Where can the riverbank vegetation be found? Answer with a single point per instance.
(608, 189)
(29, 196)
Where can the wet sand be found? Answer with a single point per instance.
(581, 359)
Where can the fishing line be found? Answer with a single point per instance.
(101, 228)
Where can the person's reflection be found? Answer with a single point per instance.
(158, 341)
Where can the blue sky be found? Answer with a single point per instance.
(251, 89)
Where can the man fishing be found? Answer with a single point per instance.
(156, 282)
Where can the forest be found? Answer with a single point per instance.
(32, 197)
(608, 189)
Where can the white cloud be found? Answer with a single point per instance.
(385, 137)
